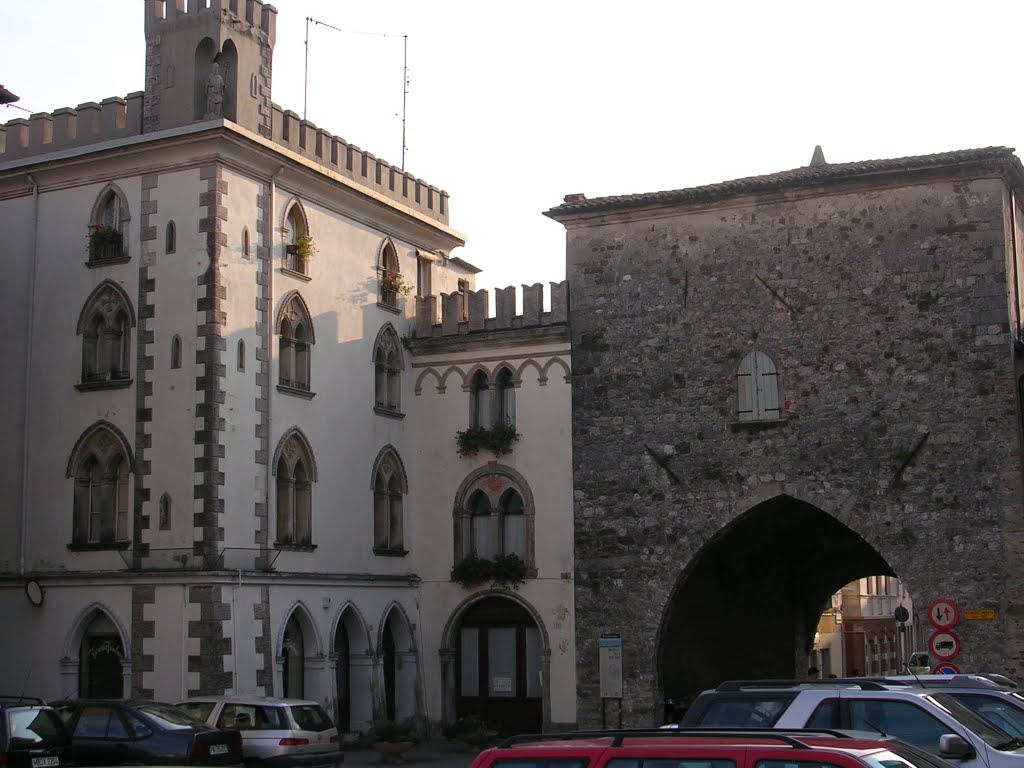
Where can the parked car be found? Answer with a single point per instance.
(107, 732)
(926, 718)
(283, 733)
(32, 735)
(704, 748)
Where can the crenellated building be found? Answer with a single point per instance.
(245, 452)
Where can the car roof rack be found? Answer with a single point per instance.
(786, 736)
(20, 698)
(830, 682)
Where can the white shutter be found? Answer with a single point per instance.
(745, 389)
(767, 387)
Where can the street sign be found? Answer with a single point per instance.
(980, 613)
(901, 614)
(942, 614)
(945, 668)
(944, 645)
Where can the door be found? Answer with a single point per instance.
(498, 667)
(342, 706)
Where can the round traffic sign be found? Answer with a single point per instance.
(901, 614)
(944, 645)
(943, 614)
(945, 668)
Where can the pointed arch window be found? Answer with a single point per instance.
(164, 520)
(176, 352)
(105, 325)
(757, 384)
(494, 515)
(241, 355)
(388, 362)
(108, 227)
(245, 239)
(389, 488)
(295, 341)
(505, 398)
(299, 247)
(170, 238)
(294, 478)
(100, 505)
(390, 278)
(480, 401)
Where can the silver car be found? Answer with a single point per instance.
(282, 733)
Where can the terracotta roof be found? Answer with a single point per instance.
(798, 177)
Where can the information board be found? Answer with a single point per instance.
(610, 657)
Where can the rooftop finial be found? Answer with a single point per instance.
(818, 158)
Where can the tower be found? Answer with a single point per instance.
(208, 59)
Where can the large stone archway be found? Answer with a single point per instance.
(748, 603)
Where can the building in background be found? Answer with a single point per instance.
(233, 411)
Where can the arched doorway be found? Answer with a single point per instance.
(748, 604)
(498, 666)
(399, 665)
(389, 663)
(293, 671)
(100, 660)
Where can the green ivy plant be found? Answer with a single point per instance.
(498, 439)
(392, 731)
(500, 571)
(394, 282)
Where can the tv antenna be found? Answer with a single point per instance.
(405, 69)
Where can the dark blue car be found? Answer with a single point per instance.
(144, 733)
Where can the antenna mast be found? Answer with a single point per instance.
(405, 89)
(305, 75)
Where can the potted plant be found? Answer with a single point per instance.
(395, 283)
(104, 242)
(302, 246)
(500, 571)
(498, 439)
(471, 730)
(392, 739)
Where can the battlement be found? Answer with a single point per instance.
(258, 18)
(88, 123)
(454, 322)
(336, 154)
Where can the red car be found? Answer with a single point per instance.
(705, 748)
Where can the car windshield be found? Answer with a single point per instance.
(999, 710)
(309, 717)
(916, 756)
(170, 718)
(888, 759)
(991, 735)
(36, 727)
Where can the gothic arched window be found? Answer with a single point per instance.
(389, 488)
(494, 515)
(388, 363)
(108, 227)
(295, 340)
(480, 401)
(295, 476)
(101, 472)
(505, 399)
(392, 284)
(105, 325)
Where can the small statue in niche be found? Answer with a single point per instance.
(214, 93)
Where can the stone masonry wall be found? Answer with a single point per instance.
(887, 314)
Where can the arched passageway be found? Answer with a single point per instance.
(748, 604)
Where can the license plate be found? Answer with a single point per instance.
(218, 749)
(45, 762)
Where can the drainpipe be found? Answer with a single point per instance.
(1013, 251)
(29, 327)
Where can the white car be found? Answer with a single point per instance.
(279, 733)
(927, 718)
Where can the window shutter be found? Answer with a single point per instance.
(767, 394)
(745, 389)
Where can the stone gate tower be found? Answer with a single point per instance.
(208, 59)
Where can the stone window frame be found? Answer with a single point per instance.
(494, 480)
(171, 238)
(387, 261)
(295, 347)
(758, 389)
(108, 307)
(295, 472)
(175, 351)
(389, 484)
(110, 209)
(388, 365)
(101, 466)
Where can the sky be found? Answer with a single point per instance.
(509, 107)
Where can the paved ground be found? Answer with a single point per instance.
(428, 754)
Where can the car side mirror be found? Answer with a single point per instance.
(954, 747)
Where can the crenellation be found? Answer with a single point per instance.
(112, 115)
(40, 129)
(477, 319)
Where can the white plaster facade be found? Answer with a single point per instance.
(197, 592)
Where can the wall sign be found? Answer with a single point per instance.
(610, 652)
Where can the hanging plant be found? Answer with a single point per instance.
(395, 283)
(104, 242)
(500, 571)
(498, 439)
(302, 246)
